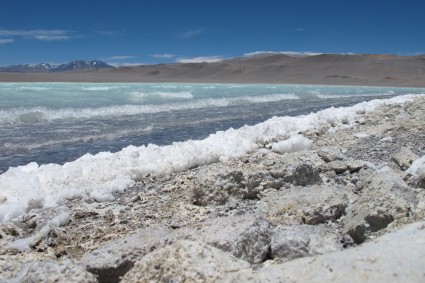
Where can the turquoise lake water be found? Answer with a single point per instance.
(59, 122)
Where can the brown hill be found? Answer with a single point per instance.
(358, 69)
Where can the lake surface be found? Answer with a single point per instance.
(59, 122)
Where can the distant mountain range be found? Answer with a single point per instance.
(320, 69)
(43, 68)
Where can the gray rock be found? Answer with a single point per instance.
(216, 183)
(330, 153)
(341, 166)
(115, 258)
(301, 174)
(385, 199)
(245, 237)
(308, 205)
(404, 158)
(419, 181)
(184, 261)
(33, 269)
(417, 173)
(371, 262)
(290, 242)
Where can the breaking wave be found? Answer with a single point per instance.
(43, 114)
(161, 94)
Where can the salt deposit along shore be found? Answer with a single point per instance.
(334, 196)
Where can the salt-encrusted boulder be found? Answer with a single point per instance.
(185, 261)
(302, 173)
(417, 172)
(341, 166)
(394, 257)
(404, 158)
(385, 199)
(299, 168)
(216, 183)
(290, 242)
(330, 153)
(309, 205)
(246, 237)
(116, 257)
(30, 268)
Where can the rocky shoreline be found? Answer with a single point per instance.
(349, 208)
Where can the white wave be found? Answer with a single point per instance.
(83, 138)
(36, 88)
(162, 94)
(270, 97)
(43, 114)
(99, 176)
(96, 88)
(168, 86)
(326, 96)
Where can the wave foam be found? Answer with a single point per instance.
(178, 95)
(96, 88)
(43, 114)
(35, 88)
(99, 176)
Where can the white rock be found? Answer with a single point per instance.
(394, 257)
(184, 261)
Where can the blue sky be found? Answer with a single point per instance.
(144, 32)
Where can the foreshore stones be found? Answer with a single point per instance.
(33, 269)
(394, 257)
(184, 261)
(385, 199)
(290, 242)
(404, 158)
(309, 205)
(115, 258)
(245, 237)
(329, 153)
(417, 172)
(216, 184)
(341, 166)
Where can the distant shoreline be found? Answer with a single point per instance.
(325, 69)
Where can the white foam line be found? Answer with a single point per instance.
(162, 94)
(99, 176)
(43, 114)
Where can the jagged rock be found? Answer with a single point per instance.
(371, 262)
(309, 205)
(404, 158)
(245, 237)
(33, 269)
(385, 199)
(329, 153)
(115, 258)
(215, 184)
(290, 242)
(417, 172)
(184, 261)
(302, 174)
(341, 166)
(300, 168)
(419, 181)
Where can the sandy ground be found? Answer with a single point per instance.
(327, 69)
